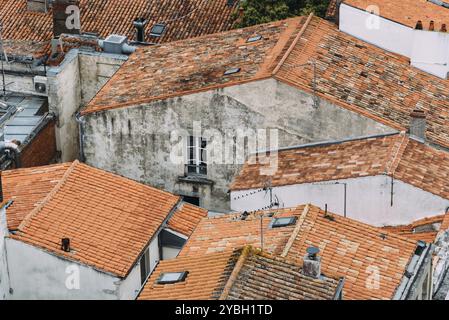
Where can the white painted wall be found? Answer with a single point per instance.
(427, 50)
(368, 200)
(38, 274)
(4, 281)
(430, 52)
(376, 30)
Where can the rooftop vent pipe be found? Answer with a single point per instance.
(140, 24)
(65, 244)
(312, 263)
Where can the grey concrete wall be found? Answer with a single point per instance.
(135, 141)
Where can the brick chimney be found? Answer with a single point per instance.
(65, 19)
(312, 263)
(418, 124)
(38, 5)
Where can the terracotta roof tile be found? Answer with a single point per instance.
(366, 79)
(350, 73)
(348, 248)
(406, 12)
(323, 162)
(238, 274)
(28, 188)
(411, 161)
(197, 64)
(105, 216)
(423, 229)
(354, 250)
(225, 232)
(116, 16)
(186, 218)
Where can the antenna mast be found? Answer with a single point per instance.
(3, 57)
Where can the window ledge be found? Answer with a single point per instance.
(200, 179)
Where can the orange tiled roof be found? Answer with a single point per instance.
(366, 79)
(28, 188)
(108, 219)
(354, 250)
(227, 232)
(116, 16)
(406, 12)
(246, 274)
(445, 224)
(197, 64)
(423, 229)
(350, 73)
(409, 160)
(349, 248)
(186, 218)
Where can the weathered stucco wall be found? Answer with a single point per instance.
(96, 69)
(135, 141)
(71, 85)
(64, 99)
(368, 199)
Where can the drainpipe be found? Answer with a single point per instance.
(80, 120)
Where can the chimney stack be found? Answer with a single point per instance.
(38, 5)
(418, 124)
(63, 22)
(140, 24)
(312, 263)
(419, 25)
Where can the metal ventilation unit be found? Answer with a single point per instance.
(116, 44)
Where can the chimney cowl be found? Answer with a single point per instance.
(140, 24)
(312, 263)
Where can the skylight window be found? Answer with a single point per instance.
(231, 71)
(254, 39)
(172, 277)
(157, 30)
(283, 222)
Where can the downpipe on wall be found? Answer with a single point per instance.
(80, 120)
